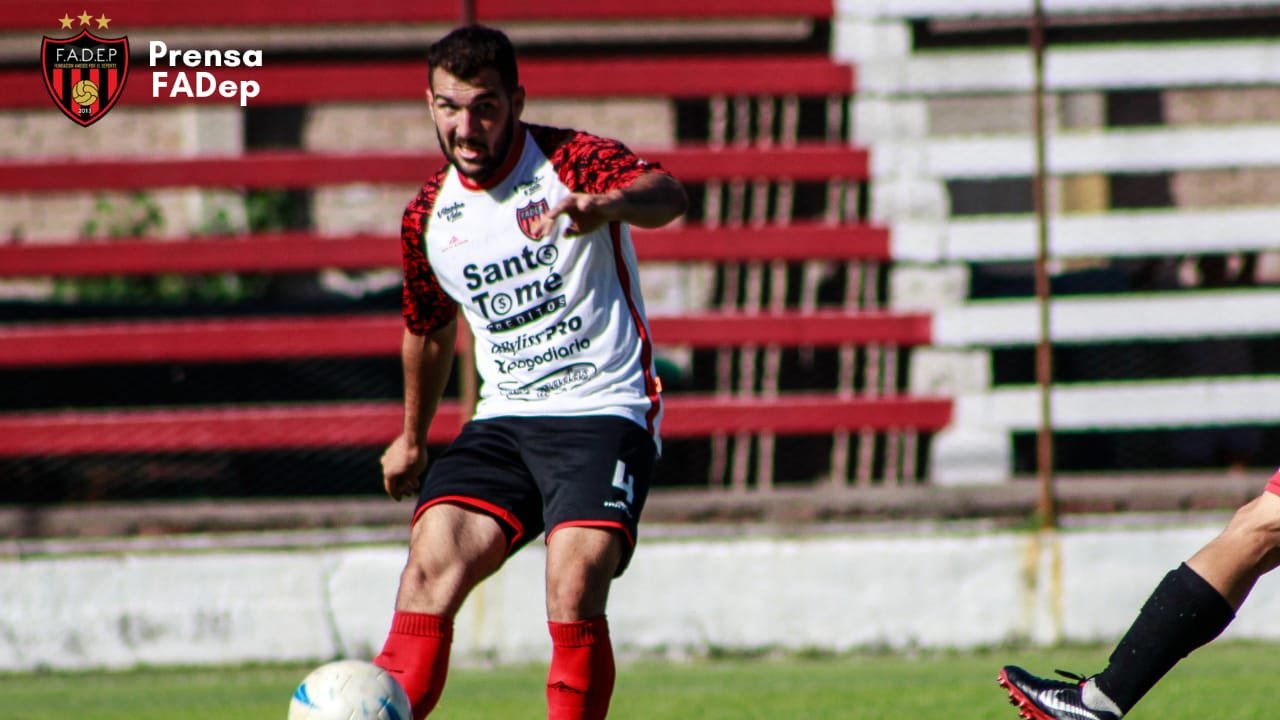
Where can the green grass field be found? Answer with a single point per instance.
(1230, 681)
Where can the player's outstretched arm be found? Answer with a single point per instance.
(427, 361)
(651, 200)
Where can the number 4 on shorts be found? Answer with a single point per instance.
(624, 481)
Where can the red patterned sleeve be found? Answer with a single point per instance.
(425, 306)
(588, 163)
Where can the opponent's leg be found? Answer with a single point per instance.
(581, 563)
(1190, 607)
(1195, 602)
(1246, 550)
(451, 549)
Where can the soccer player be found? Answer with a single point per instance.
(525, 230)
(1191, 606)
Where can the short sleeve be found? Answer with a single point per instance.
(424, 304)
(589, 163)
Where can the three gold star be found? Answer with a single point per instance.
(85, 18)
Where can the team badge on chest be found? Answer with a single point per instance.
(526, 216)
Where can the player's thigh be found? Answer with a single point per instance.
(451, 549)
(453, 538)
(581, 563)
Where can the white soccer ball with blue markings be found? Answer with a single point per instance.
(349, 690)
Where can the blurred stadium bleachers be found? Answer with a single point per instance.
(167, 336)
(199, 300)
(1163, 248)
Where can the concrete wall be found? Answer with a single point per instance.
(835, 591)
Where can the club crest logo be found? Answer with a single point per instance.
(526, 216)
(85, 74)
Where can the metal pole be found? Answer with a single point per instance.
(1047, 506)
(467, 16)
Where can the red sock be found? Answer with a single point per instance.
(1273, 487)
(580, 682)
(416, 653)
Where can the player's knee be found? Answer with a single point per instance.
(421, 573)
(576, 596)
(445, 572)
(436, 585)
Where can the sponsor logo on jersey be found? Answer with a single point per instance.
(547, 356)
(529, 188)
(618, 505)
(502, 305)
(478, 276)
(524, 293)
(528, 215)
(562, 380)
(451, 213)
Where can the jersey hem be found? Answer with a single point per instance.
(633, 415)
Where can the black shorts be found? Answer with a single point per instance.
(543, 473)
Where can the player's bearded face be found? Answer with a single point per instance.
(475, 121)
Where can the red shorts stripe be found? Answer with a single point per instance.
(626, 532)
(501, 514)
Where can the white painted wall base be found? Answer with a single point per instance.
(973, 454)
(681, 597)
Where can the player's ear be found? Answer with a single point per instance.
(517, 102)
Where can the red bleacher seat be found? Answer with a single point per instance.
(837, 240)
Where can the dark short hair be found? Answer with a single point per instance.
(468, 51)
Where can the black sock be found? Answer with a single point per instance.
(1183, 613)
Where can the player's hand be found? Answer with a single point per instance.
(586, 213)
(402, 464)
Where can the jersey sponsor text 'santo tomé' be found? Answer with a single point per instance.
(559, 323)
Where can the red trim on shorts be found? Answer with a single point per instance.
(1273, 486)
(646, 345)
(606, 524)
(509, 164)
(478, 504)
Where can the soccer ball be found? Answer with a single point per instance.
(349, 690)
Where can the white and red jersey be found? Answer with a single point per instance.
(559, 324)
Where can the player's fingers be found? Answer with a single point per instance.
(410, 486)
(390, 476)
(585, 224)
(390, 486)
(388, 480)
(540, 227)
(560, 208)
(393, 480)
(547, 220)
